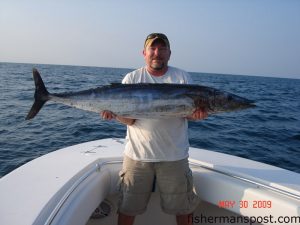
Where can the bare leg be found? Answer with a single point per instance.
(125, 220)
(184, 219)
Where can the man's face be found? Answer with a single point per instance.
(157, 56)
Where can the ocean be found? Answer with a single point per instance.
(269, 133)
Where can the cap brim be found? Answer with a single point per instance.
(150, 41)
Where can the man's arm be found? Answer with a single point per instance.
(198, 114)
(108, 115)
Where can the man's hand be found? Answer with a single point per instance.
(198, 114)
(108, 115)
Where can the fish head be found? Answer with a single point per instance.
(227, 102)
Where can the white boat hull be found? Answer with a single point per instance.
(64, 187)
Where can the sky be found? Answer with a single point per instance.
(243, 37)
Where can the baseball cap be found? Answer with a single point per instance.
(154, 36)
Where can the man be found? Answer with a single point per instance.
(157, 147)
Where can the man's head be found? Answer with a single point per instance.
(157, 53)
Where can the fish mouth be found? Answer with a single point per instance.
(248, 104)
(252, 105)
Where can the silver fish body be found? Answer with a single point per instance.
(143, 100)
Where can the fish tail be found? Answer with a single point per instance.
(41, 95)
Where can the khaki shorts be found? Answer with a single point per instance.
(174, 181)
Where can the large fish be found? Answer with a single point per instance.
(142, 100)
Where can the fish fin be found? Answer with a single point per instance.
(41, 95)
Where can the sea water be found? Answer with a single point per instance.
(269, 133)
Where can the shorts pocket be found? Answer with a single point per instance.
(121, 181)
(189, 181)
(193, 199)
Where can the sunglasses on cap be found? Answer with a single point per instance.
(155, 36)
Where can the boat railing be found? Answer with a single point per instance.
(257, 183)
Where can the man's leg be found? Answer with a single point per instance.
(136, 185)
(175, 183)
(125, 220)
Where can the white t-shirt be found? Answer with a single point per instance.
(157, 139)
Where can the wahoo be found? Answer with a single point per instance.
(144, 100)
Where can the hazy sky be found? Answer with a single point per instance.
(252, 37)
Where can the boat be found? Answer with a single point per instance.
(78, 185)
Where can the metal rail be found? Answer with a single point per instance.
(97, 168)
(255, 182)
